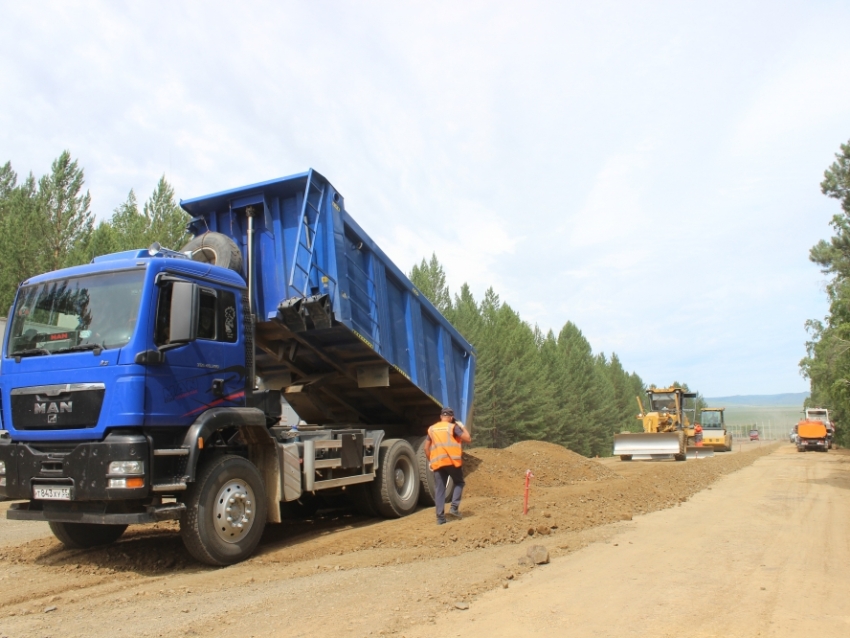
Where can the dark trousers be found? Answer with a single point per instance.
(441, 477)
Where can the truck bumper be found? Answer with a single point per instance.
(82, 467)
(93, 512)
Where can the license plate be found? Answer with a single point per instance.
(51, 493)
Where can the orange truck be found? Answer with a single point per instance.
(811, 435)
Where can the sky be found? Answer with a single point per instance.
(648, 171)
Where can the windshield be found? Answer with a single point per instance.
(817, 415)
(710, 420)
(79, 313)
(663, 401)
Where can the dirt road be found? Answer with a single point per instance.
(763, 552)
(624, 540)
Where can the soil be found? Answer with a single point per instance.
(339, 574)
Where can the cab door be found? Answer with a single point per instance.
(207, 372)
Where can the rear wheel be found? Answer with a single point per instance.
(625, 457)
(225, 511)
(85, 535)
(395, 490)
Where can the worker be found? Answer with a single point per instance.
(444, 452)
(698, 435)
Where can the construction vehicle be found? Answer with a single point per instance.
(822, 415)
(812, 435)
(666, 429)
(147, 385)
(714, 432)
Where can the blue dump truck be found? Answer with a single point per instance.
(148, 385)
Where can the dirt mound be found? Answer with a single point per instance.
(492, 472)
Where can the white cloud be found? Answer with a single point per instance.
(613, 211)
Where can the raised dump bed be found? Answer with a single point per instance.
(340, 329)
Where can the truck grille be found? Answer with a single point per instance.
(57, 407)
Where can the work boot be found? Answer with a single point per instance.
(455, 513)
(441, 521)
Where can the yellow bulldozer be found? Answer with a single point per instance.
(666, 429)
(714, 432)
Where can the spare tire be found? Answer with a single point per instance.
(217, 249)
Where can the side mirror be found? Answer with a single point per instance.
(185, 300)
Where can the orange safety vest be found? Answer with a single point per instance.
(445, 449)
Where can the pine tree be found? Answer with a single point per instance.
(610, 416)
(430, 278)
(487, 401)
(625, 393)
(465, 315)
(564, 418)
(583, 384)
(21, 233)
(131, 228)
(167, 221)
(8, 180)
(67, 218)
(517, 396)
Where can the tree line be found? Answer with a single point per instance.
(827, 360)
(47, 223)
(531, 385)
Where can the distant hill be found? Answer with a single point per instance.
(788, 398)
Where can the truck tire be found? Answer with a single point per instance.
(625, 457)
(85, 535)
(225, 511)
(216, 249)
(395, 490)
(426, 476)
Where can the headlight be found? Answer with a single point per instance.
(2, 467)
(126, 467)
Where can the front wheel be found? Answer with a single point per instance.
(395, 490)
(225, 512)
(85, 535)
(625, 457)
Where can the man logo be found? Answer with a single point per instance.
(52, 409)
